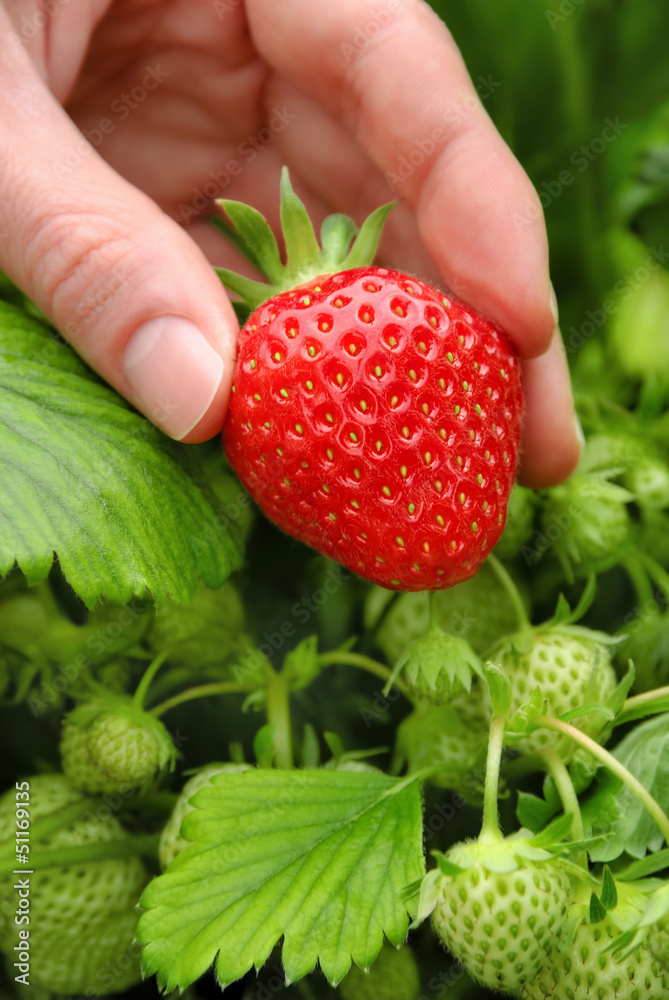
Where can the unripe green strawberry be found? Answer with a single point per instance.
(438, 666)
(571, 666)
(203, 632)
(504, 914)
(110, 745)
(587, 970)
(657, 943)
(648, 480)
(172, 842)
(519, 523)
(647, 645)
(448, 735)
(644, 309)
(392, 976)
(586, 522)
(478, 610)
(82, 916)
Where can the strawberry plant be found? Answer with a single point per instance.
(334, 706)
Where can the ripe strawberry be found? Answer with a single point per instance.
(171, 841)
(504, 914)
(373, 417)
(82, 916)
(572, 667)
(109, 745)
(392, 976)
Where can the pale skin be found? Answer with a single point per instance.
(172, 93)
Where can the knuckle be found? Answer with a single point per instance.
(79, 261)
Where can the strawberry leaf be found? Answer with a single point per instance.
(93, 483)
(318, 858)
(644, 752)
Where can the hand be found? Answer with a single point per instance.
(189, 101)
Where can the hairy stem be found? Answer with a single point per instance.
(638, 575)
(565, 789)
(346, 658)
(614, 766)
(202, 691)
(141, 692)
(644, 700)
(278, 715)
(490, 829)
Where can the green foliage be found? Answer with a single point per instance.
(645, 753)
(94, 483)
(318, 858)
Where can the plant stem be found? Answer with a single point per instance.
(278, 715)
(346, 658)
(647, 698)
(657, 572)
(512, 590)
(490, 829)
(202, 691)
(570, 804)
(141, 692)
(61, 857)
(432, 598)
(639, 577)
(614, 766)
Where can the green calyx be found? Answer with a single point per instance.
(342, 246)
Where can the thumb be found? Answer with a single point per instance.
(124, 284)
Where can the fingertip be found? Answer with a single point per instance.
(552, 439)
(176, 377)
(211, 423)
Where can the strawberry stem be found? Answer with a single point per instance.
(202, 691)
(347, 658)
(657, 572)
(61, 857)
(565, 789)
(642, 701)
(141, 692)
(278, 716)
(490, 830)
(614, 766)
(640, 581)
(512, 590)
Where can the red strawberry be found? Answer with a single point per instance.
(373, 418)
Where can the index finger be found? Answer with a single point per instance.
(404, 92)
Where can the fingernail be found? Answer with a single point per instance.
(579, 431)
(173, 373)
(554, 306)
